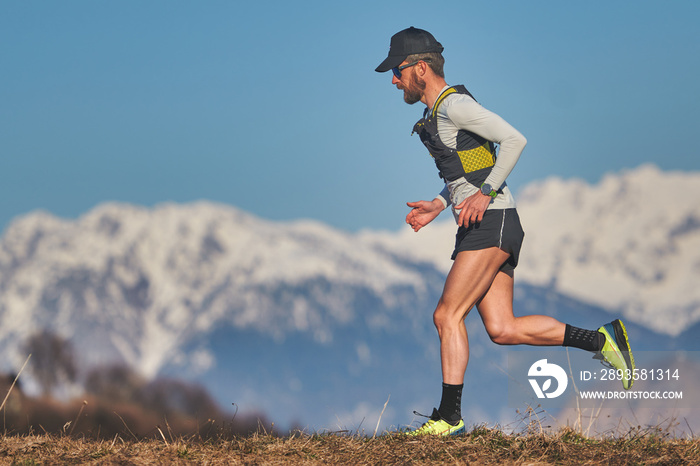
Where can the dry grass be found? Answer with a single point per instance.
(482, 446)
(156, 443)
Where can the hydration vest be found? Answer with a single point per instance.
(474, 155)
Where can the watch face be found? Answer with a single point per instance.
(486, 189)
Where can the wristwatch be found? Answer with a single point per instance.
(487, 190)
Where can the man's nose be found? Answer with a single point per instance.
(394, 79)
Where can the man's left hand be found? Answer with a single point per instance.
(472, 209)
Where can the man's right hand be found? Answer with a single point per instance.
(423, 212)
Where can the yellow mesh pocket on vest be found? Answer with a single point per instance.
(476, 159)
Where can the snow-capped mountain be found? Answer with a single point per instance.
(288, 315)
(139, 283)
(623, 244)
(272, 316)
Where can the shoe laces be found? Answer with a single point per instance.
(427, 424)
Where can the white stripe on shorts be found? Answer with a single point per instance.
(503, 222)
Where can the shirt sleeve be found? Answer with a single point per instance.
(444, 196)
(465, 113)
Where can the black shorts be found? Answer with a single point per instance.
(499, 228)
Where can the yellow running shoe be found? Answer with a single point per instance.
(616, 351)
(438, 426)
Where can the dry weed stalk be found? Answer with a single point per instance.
(380, 417)
(14, 382)
(82, 407)
(127, 427)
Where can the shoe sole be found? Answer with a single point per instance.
(621, 335)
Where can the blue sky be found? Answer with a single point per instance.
(275, 107)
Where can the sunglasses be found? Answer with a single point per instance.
(397, 69)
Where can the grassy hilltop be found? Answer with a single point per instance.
(480, 446)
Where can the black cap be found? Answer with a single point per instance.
(408, 42)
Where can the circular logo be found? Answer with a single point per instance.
(546, 372)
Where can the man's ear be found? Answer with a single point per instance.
(422, 68)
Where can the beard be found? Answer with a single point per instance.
(414, 91)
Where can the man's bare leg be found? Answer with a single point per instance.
(496, 310)
(470, 277)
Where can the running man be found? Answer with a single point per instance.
(461, 136)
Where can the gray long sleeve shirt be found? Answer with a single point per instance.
(460, 111)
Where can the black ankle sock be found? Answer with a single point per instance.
(589, 340)
(451, 404)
